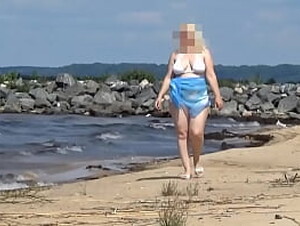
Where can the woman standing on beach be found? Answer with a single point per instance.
(189, 68)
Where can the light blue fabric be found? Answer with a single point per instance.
(190, 93)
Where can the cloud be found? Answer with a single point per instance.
(143, 17)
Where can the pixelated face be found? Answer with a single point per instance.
(190, 40)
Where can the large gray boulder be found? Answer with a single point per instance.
(287, 104)
(133, 91)
(253, 103)
(226, 93)
(297, 90)
(82, 101)
(27, 104)
(241, 99)
(263, 93)
(156, 86)
(119, 86)
(51, 87)
(4, 92)
(41, 103)
(104, 98)
(39, 93)
(64, 80)
(145, 95)
(230, 108)
(267, 106)
(91, 87)
(12, 105)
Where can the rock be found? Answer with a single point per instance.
(52, 97)
(267, 106)
(121, 107)
(140, 111)
(298, 107)
(61, 96)
(273, 98)
(238, 90)
(19, 82)
(133, 91)
(20, 95)
(134, 82)
(297, 91)
(247, 113)
(263, 93)
(229, 109)
(4, 92)
(119, 96)
(82, 101)
(75, 90)
(12, 105)
(275, 89)
(156, 86)
(294, 115)
(64, 80)
(226, 93)
(145, 95)
(64, 106)
(241, 99)
(287, 104)
(119, 86)
(103, 97)
(144, 83)
(241, 108)
(51, 86)
(103, 87)
(27, 104)
(253, 103)
(91, 87)
(38, 93)
(99, 110)
(40, 103)
(149, 103)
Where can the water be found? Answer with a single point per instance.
(55, 148)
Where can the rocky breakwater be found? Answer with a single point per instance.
(114, 97)
(67, 95)
(274, 101)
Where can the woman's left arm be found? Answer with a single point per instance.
(212, 79)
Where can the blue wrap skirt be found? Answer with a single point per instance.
(189, 93)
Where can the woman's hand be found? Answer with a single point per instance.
(158, 103)
(219, 102)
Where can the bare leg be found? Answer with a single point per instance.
(180, 118)
(196, 135)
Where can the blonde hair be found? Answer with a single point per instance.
(190, 39)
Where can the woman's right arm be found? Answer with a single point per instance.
(166, 82)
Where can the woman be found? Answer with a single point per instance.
(189, 68)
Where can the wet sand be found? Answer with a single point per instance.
(243, 186)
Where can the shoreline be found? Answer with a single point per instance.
(240, 186)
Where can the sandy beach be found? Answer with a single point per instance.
(247, 186)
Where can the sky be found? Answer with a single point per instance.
(63, 32)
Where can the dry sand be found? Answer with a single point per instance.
(247, 186)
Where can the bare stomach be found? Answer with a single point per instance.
(190, 75)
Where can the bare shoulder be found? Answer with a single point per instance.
(173, 56)
(206, 52)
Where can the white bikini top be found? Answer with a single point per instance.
(197, 66)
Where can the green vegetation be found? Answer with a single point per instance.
(137, 75)
(170, 189)
(173, 213)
